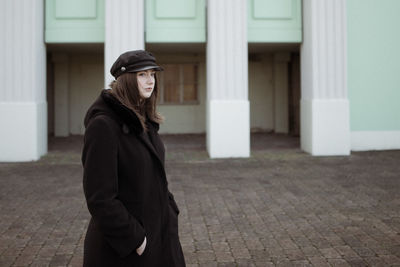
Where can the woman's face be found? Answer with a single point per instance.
(146, 80)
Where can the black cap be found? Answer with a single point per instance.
(134, 61)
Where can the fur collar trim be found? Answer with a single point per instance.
(127, 117)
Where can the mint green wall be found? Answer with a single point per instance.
(171, 21)
(374, 64)
(274, 21)
(74, 21)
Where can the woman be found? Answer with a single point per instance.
(134, 216)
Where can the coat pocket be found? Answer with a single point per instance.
(135, 209)
(172, 203)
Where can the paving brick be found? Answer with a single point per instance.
(356, 262)
(283, 262)
(76, 261)
(224, 256)
(301, 263)
(287, 243)
(203, 245)
(364, 251)
(7, 260)
(66, 249)
(254, 244)
(294, 254)
(391, 259)
(191, 257)
(338, 263)
(330, 253)
(211, 264)
(60, 260)
(24, 260)
(318, 261)
(220, 246)
(310, 251)
(242, 253)
(246, 263)
(376, 261)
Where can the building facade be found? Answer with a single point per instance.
(322, 70)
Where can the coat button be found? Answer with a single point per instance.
(125, 129)
(123, 69)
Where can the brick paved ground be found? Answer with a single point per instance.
(280, 207)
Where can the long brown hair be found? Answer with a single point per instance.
(126, 90)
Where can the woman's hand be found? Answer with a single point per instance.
(140, 249)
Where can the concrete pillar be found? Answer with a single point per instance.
(61, 94)
(281, 93)
(124, 28)
(23, 106)
(228, 118)
(324, 109)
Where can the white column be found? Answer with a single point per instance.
(23, 106)
(61, 94)
(325, 128)
(281, 93)
(228, 118)
(124, 28)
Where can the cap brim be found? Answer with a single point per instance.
(147, 68)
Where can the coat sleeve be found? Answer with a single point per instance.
(122, 231)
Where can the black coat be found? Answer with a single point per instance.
(126, 191)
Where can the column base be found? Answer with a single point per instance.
(228, 128)
(24, 133)
(375, 140)
(325, 127)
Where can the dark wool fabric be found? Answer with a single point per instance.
(126, 191)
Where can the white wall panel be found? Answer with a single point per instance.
(61, 94)
(85, 87)
(261, 94)
(281, 92)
